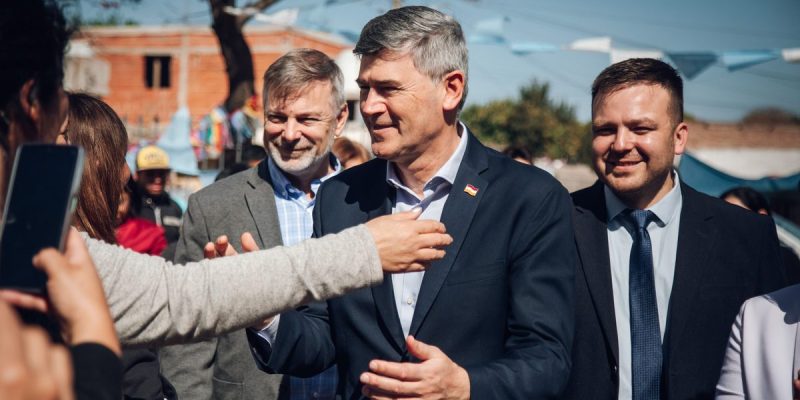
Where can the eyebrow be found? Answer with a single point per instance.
(638, 121)
(307, 114)
(390, 82)
(602, 124)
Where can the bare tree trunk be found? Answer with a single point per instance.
(238, 59)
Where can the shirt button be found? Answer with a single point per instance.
(410, 301)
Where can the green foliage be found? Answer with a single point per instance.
(108, 12)
(771, 116)
(110, 20)
(535, 121)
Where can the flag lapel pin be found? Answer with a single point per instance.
(471, 190)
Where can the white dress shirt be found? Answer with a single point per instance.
(435, 192)
(664, 239)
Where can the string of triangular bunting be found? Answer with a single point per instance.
(490, 32)
(689, 63)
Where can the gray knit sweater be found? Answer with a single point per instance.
(155, 303)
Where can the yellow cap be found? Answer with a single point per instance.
(151, 157)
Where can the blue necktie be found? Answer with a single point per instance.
(645, 333)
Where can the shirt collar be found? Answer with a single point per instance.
(284, 188)
(664, 209)
(447, 172)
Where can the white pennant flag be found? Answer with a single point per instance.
(618, 55)
(285, 17)
(600, 44)
(791, 55)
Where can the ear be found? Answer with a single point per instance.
(681, 136)
(30, 106)
(453, 90)
(341, 120)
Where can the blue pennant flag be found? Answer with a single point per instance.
(691, 64)
(523, 48)
(736, 60)
(482, 38)
(488, 31)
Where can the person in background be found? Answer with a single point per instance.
(93, 125)
(752, 200)
(137, 234)
(762, 360)
(518, 154)
(252, 154)
(349, 153)
(304, 110)
(154, 203)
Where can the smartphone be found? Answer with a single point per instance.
(42, 195)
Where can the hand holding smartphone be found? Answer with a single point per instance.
(39, 205)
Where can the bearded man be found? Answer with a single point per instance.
(304, 110)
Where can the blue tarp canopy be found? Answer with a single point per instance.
(711, 181)
(175, 141)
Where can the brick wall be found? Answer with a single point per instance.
(149, 109)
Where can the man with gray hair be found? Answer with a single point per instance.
(494, 318)
(304, 111)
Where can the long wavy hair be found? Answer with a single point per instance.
(93, 125)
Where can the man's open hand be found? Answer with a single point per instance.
(436, 377)
(222, 247)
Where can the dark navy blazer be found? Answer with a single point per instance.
(500, 303)
(725, 255)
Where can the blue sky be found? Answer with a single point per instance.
(676, 25)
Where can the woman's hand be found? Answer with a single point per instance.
(31, 367)
(406, 244)
(75, 295)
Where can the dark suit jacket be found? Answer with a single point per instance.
(499, 303)
(222, 368)
(725, 255)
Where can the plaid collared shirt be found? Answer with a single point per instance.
(297, 224)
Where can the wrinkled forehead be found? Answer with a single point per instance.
(318, 93)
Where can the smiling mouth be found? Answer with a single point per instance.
(625, 163)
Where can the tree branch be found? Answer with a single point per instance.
(259, 5)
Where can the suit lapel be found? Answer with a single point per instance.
(383, 294)
(260, 198)
(696, 240)
(591, 235)
(457, 215)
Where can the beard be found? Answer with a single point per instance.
(297, 164)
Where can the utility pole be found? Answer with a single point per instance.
(397, 3)
(183, 59)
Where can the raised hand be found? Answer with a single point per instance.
(222, 247)
(407, 244)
